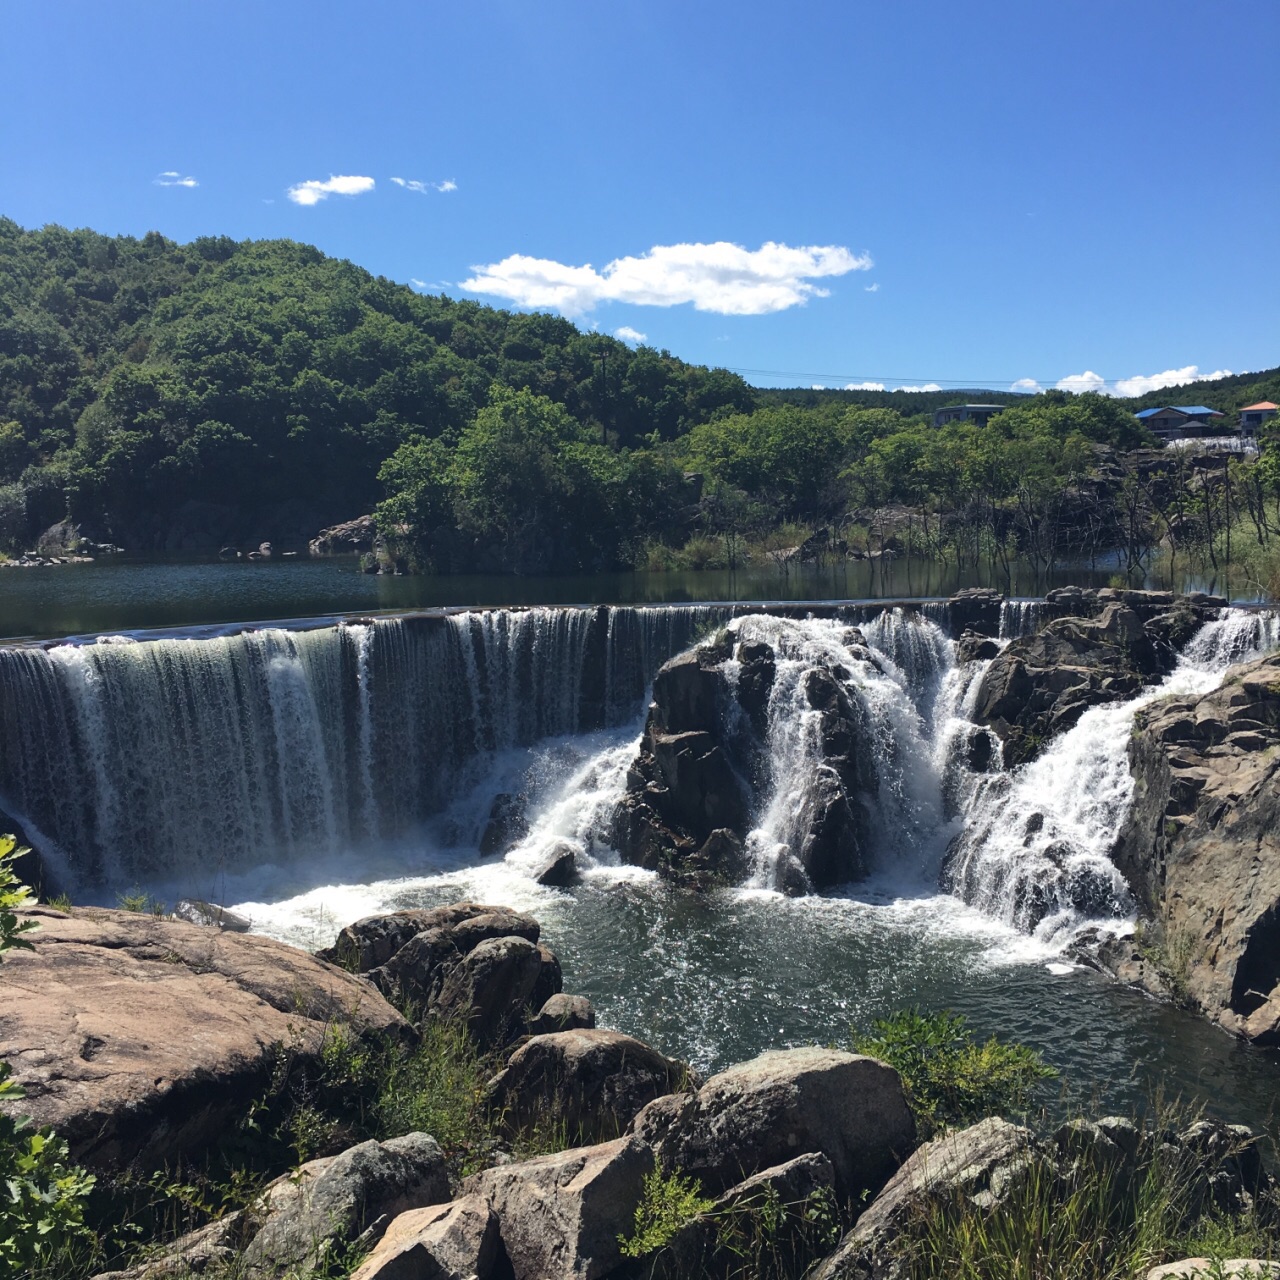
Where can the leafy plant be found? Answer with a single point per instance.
(668, 1202)
(949, 1077)
(42, 1195)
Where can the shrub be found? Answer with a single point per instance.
(42, 1195)
(949, 1078)
(668, 1202)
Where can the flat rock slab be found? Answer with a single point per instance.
(1207, 1269)
(140, 1038)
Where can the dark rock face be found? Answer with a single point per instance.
(593, 1082)
(975, 609)
(468, 961)
(703, 769)
(1201, 846)
(1042, 684)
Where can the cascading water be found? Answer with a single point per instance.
(1020, 618)
(132, 761)
(147, 761)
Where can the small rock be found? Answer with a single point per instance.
(564, 1013)
(457, 1241)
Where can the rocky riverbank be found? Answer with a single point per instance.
(143, 1039)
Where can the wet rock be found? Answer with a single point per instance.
(559, 869)
(1040, 685)
(194, 911)
(143, 1040)
(1201, 850)
(975, 609)
(591, 1082)
(560, 1216)
(506, 826)
(975, 647)
(457, 1241)
(780, 1105)
(564, 1013)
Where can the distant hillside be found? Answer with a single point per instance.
(1225, 394)
(139, 377)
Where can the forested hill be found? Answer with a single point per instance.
(179, 397)
(137, 376)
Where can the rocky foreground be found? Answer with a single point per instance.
(142, 1039)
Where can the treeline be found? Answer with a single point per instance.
(177, 397)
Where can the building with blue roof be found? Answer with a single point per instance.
(1177, 422)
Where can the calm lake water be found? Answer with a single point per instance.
(129, 595)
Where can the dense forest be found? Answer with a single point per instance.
(183, 397)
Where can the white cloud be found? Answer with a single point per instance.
(1138, 386)
(1086, 381)
(313, 191)
(928, 386)
(1029, 385)
(864, 386)
(628, 334)
(872, 288)
(172, 178)
(721, 277)
(412, 184)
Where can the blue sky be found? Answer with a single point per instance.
(965, 193)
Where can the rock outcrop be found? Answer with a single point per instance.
(454, 1241)
(350, 538)
(1201, 846)
(780, 1105)
(703, 769)
(592, 1083)
(1042, 684)
(141, 1040)
(481, 964)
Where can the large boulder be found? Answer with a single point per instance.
(143, 1040)
(977, 1165)
(592, 1083)
(340, 1200)
(1201, 847)
(482, 964)
(299, 1222)
(560, 1216)
(780, 1105)
(349, 538)
(704, 768)
(457, 1241)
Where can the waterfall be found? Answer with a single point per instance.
(1236, 635)
(1020, 618)
(131, 761)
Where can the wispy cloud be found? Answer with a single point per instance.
(423, 188)
(313, 190)
(174, 178)
(721, 277)
(864, 386)
(1029, 385)
(628, 334)
(1138, 385)
(871, 288)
